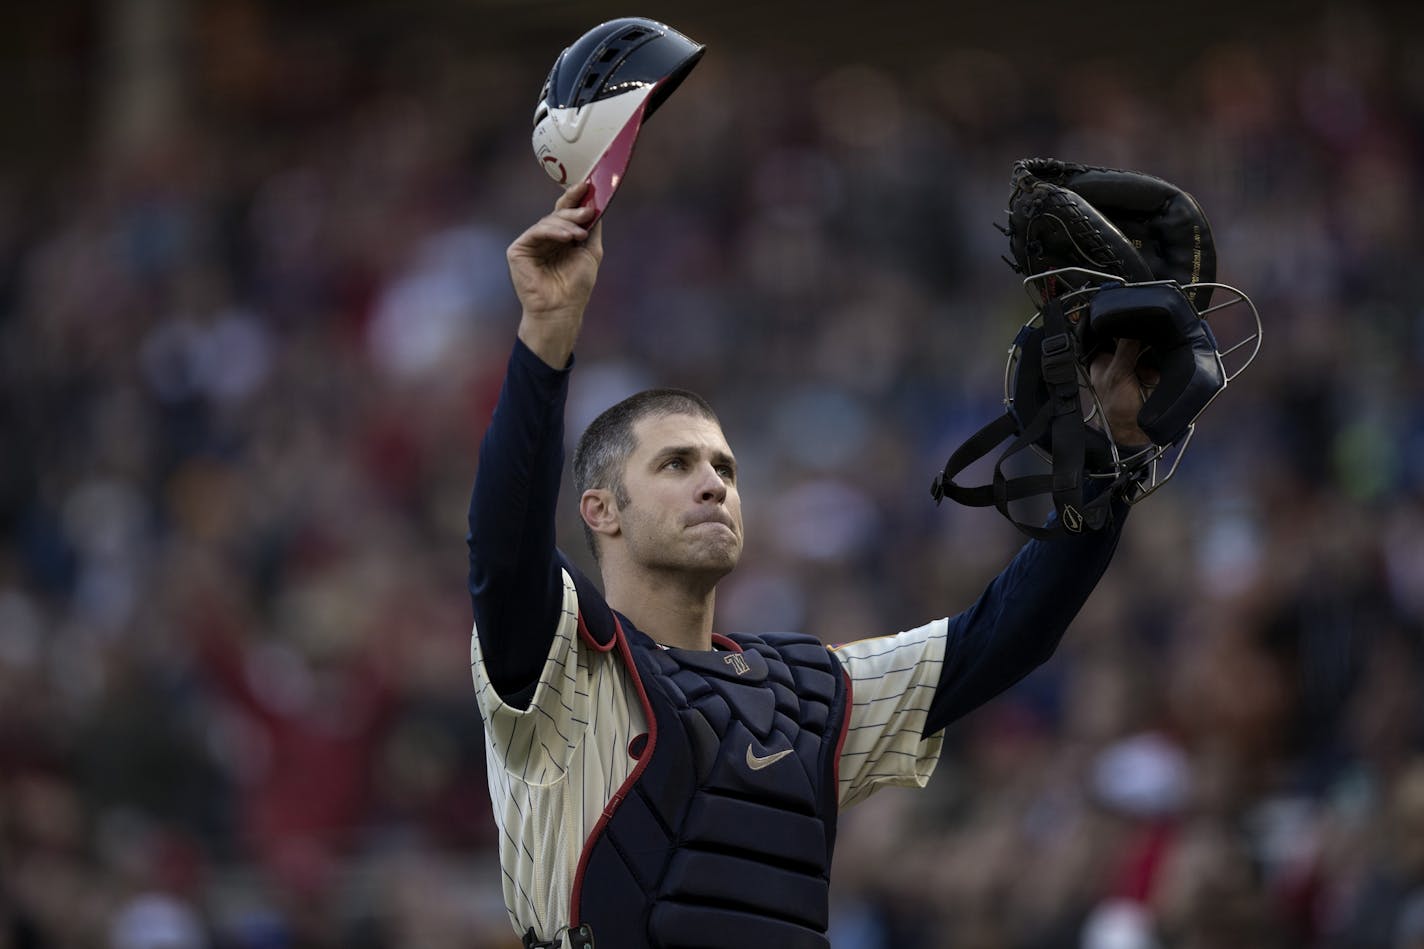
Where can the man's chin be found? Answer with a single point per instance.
(720, 560)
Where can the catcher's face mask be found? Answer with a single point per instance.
(1180, 350)
(597, 97)
(1052, 407)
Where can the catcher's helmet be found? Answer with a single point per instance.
(598, 95)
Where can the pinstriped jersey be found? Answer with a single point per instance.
(554, 766)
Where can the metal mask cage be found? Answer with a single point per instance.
(1148, 469)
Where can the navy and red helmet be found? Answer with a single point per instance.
(598, 95)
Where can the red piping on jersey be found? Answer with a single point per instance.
(845, 730)
(588, 637)
(622, 640)
(719, 640)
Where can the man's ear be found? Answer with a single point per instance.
(600, 511)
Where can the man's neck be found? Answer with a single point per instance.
(673, 610)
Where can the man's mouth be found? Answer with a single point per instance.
(714, 519)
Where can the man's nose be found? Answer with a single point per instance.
(712, 487)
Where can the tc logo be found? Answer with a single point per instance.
(738, 664)
(550, 164)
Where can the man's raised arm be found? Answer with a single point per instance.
(514, 574)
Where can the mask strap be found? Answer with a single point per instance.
(1062, 416)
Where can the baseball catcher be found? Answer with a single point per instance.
(658, 783)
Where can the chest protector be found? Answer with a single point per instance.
(722, 836)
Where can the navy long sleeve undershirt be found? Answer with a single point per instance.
(516, 590)
(515, 586)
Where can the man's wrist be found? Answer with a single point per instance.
(550, 338)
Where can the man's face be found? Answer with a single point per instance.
(683, 510)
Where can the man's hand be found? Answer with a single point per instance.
(1122, 386)
(553, 266)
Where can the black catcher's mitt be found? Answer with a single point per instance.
(1123, 223)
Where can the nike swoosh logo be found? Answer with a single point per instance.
(756, 763)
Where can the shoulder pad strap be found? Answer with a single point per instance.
(596, 621)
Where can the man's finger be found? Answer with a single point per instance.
(580, 216)
(594, 239)
(1126, 355)
(571, 197)
(549, 230)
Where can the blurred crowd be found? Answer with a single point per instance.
(251, 333)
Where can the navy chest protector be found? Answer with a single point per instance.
(722, 836)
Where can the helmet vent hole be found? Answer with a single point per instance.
(609, 55)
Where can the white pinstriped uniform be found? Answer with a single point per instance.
(554, 766)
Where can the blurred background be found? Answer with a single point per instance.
(254, 313)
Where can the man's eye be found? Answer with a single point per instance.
(673, 463)
(726, 471)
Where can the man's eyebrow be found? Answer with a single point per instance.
(672, 451)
